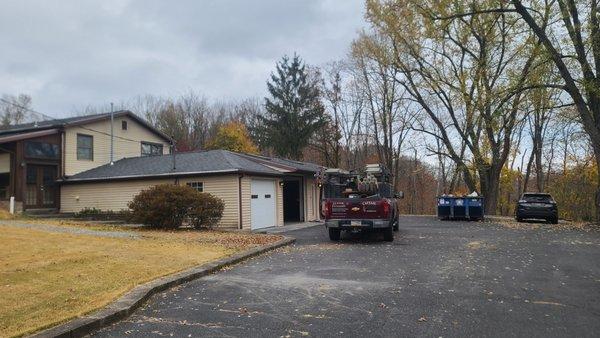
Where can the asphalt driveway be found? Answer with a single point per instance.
(436, 279)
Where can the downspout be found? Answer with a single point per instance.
(173, 155)
(63, 141)
(112, 135)
(241, 215)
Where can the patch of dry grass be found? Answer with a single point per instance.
(4, 215)
(47, 278)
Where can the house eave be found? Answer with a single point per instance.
(164, 175)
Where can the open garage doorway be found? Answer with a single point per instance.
(293, 201)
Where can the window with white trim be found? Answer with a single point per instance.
(199, 186)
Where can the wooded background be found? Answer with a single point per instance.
(454, 96)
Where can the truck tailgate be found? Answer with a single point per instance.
(358, 208)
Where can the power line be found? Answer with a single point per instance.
(28, 109)
(52, 118)
(108, 134)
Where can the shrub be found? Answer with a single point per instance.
(98, 214)
(207, 211)
(163, 206)
(167, 206)
(88, 212)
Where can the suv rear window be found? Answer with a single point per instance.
(537, 198)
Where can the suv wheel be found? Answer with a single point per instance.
(397, 224)
(388, 234)
(334, 234)
(553, 220)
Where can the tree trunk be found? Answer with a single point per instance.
(539, 169)
(528, 172)
(597, 200)
(489, 179)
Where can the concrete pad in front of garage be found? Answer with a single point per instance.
(288, 227)
(436, 279)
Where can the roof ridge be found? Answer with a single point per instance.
(226, 154)
(251, 158)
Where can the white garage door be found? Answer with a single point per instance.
(262, 204)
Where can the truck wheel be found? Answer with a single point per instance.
(388, 234)
(553, 220)
(334, 234)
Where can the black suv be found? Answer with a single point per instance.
(538, 206)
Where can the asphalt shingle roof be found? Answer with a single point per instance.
(204, 162)
(42, 125)
(50, 123)
(297, 165)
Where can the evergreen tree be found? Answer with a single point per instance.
(293, 112)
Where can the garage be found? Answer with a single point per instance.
(257, 192)
(262, 205)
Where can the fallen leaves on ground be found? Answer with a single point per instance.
(476, 245)
(534, 225)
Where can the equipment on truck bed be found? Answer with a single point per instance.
(373, 180)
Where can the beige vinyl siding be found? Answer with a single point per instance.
(279, 202)
(4, 163)
(226, 188)
(115, 195)
(246, 211)
(311, 200)
(127, 143)
(104, 196)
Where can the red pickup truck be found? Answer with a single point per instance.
(359, 213)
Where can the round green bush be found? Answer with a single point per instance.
(168, 206)
(207, 211)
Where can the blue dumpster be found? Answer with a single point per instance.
(468, 207)
(475, 207)
(444, 209)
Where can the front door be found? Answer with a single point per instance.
(41, 187)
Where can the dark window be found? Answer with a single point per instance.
(151, 149)
(543, 198)
(4, 185)
(85, 147)
(124, 125)
(267, 196)
(31, 175)
(43, 150)
(196, 185)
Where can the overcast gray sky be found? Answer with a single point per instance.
(69, 54)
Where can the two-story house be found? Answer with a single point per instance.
(34, 155)
(86, 162)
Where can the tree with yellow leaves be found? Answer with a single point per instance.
(233, 136)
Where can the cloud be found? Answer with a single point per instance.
(75, 53)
